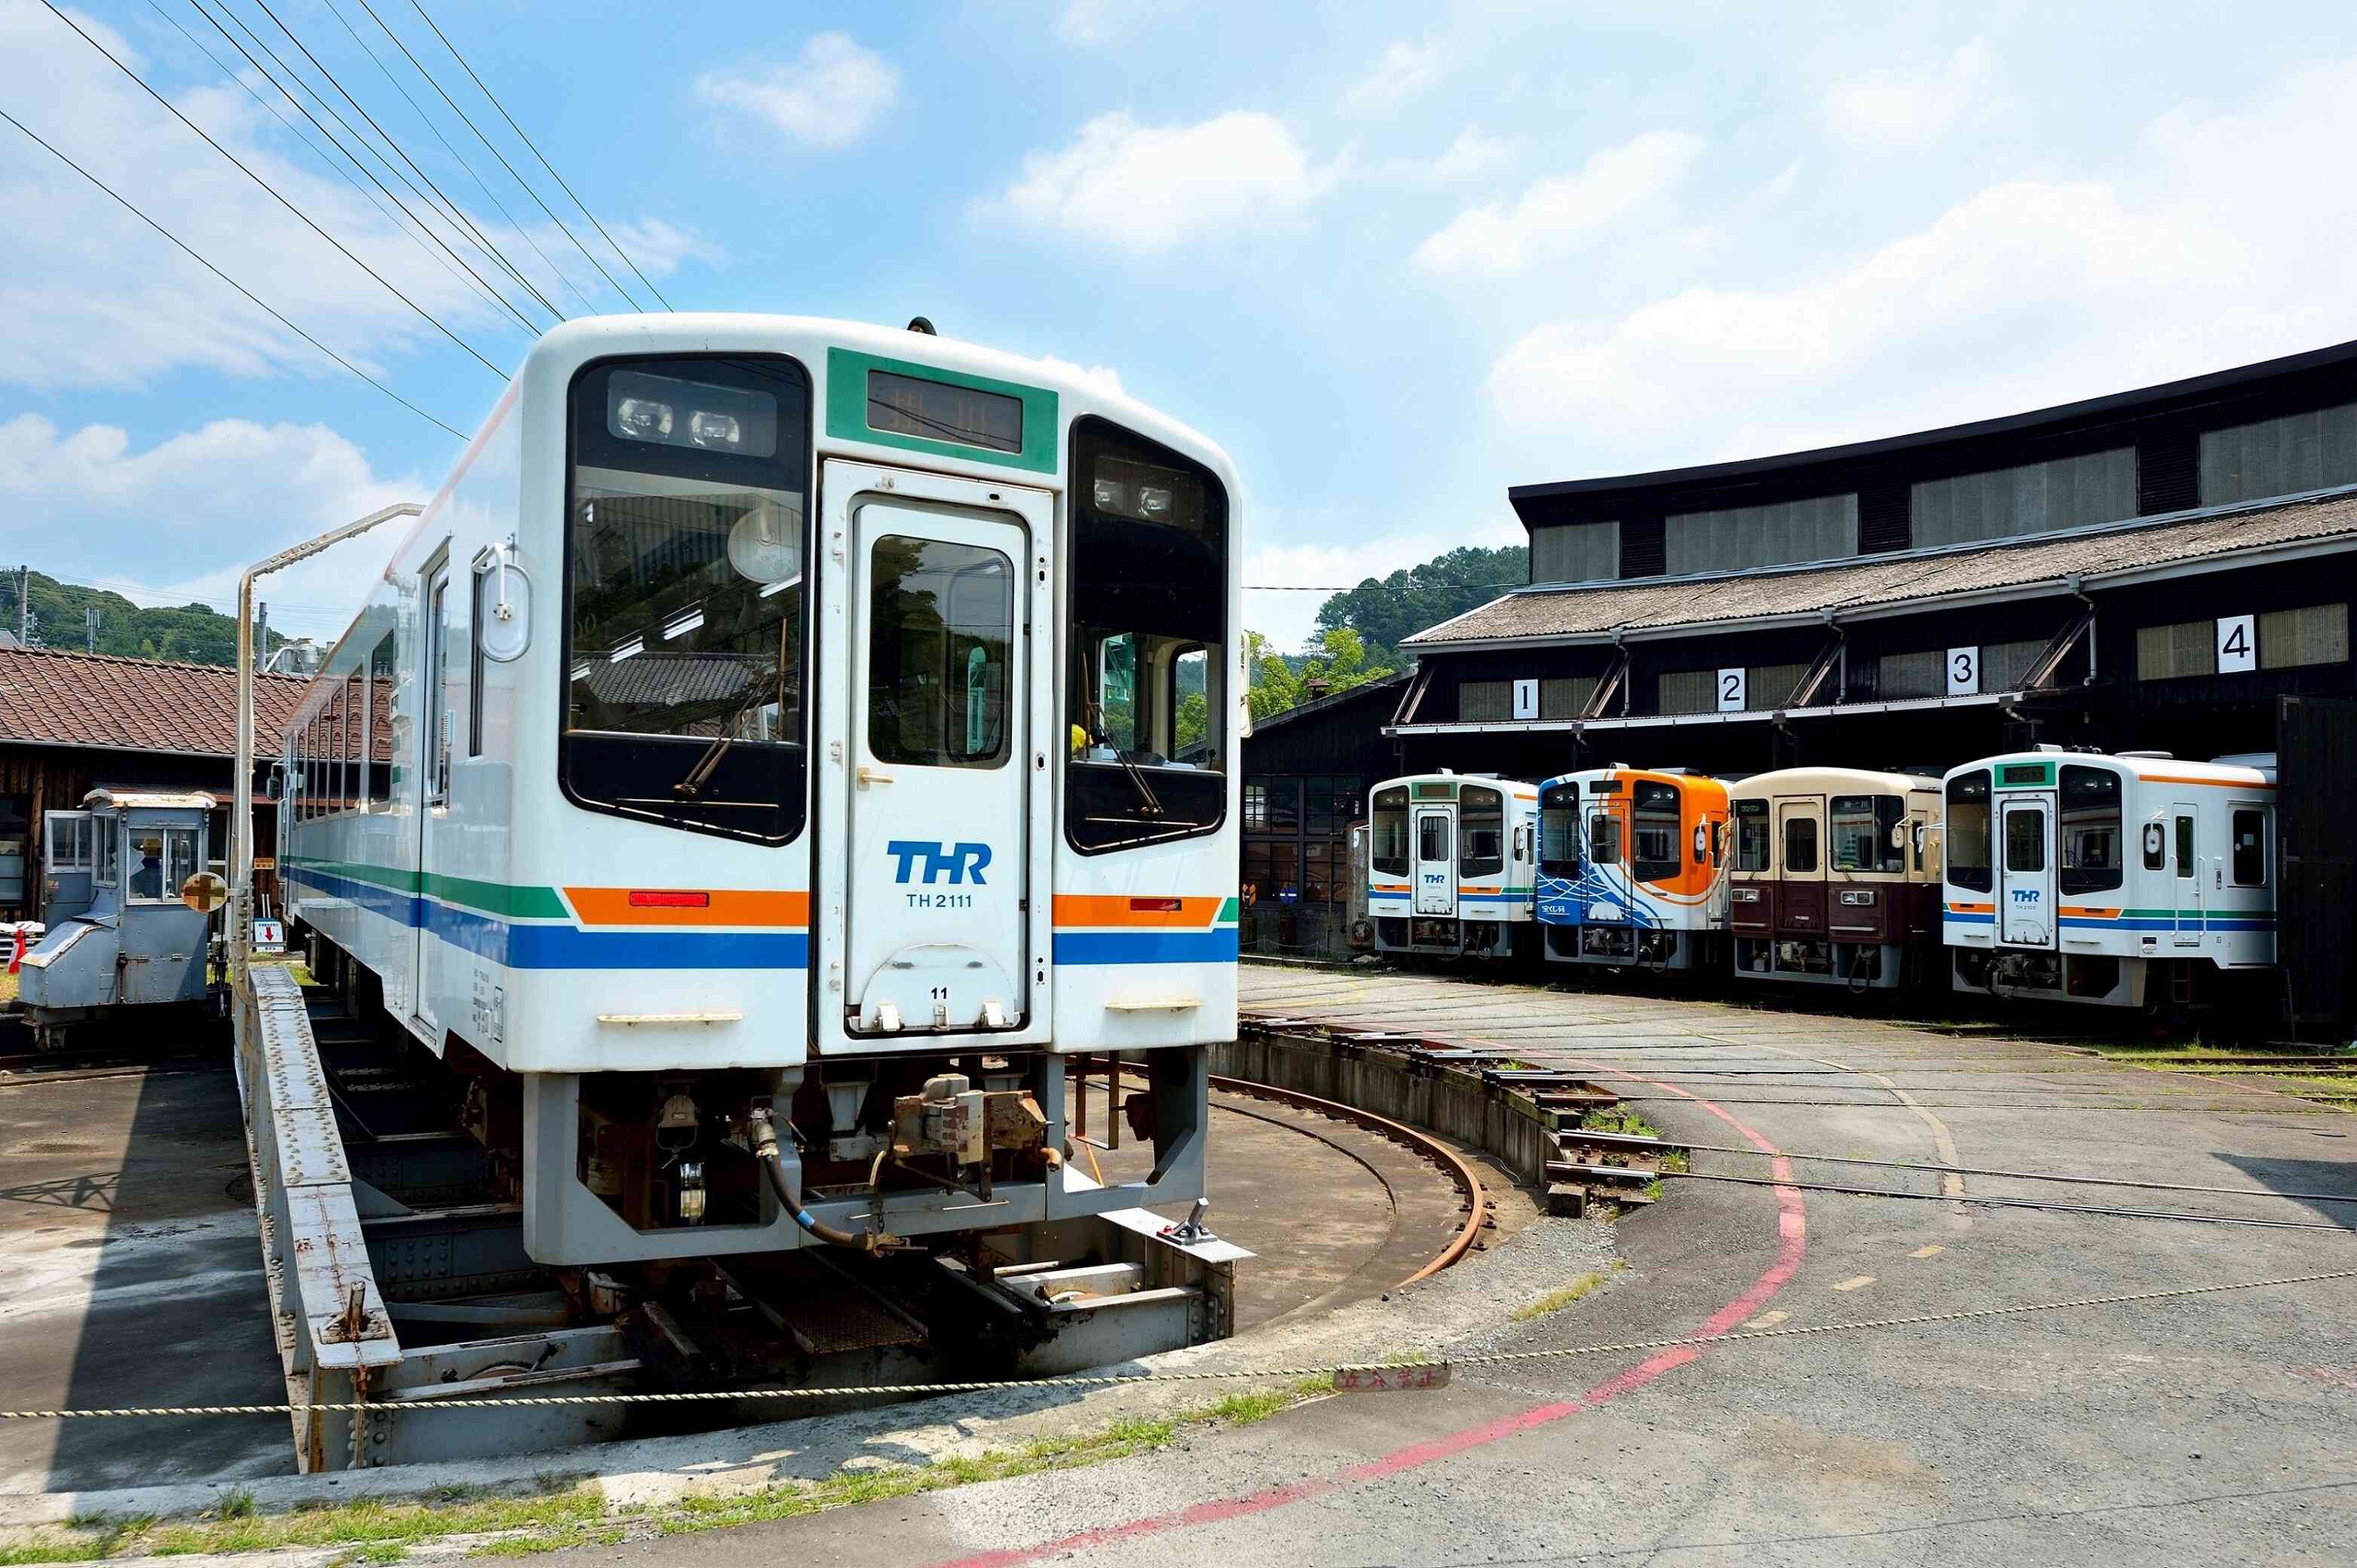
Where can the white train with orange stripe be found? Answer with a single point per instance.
(1632, 869)
(1451, 860)
(2125, 880)
(780, 747)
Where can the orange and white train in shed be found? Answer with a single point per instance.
(1631, 867)
(1836, 878)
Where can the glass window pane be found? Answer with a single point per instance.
(2025, 840)
(940, 628)
(1800, 846)
(2090, 830)
(109, 831)
(1387, 840)
(2185, 846)
(1432, 837)
(1604, 839)
(1751, 839)
(1481, 824)
(2250, 849)
(1559, 830)
(1967, 830)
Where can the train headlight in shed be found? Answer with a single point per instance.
(1857, 896)
(1745, 895)
(643, 419)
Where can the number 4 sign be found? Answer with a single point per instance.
(2238, 645)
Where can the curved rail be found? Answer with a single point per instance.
(1422, 1143)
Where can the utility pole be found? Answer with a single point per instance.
(24, 606)
(90, 628)
(262, 634)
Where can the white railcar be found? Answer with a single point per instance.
(790, 716)
(1450, 863)
(2126, 880)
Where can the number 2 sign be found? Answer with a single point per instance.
(1730, 691)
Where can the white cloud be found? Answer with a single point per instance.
(2026, 294)
(1474, 152)
(1144, 188)
(1287, 619)
(94, 297)
(1557, 215)
(1096, 21)
(1405, 71)
(130, 516)
(1897, 109)
(828, 97)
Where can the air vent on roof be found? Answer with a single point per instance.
(2150, 756)
(2167, 473)
(1643, 551)
(1883, 522)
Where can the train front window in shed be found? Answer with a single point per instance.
(2250, 849)
(2091, 830)
(684, 587)
(1967, 830)
(1861, 826)
(1387, 837)
(1655, 828)
(1481, 829)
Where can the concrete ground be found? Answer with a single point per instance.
(2209, 1428)
(130, 1273)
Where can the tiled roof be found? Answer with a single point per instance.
(51, 697)
(1666, 602)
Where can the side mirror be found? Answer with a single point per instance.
(1898, 836)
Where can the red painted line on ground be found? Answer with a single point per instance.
(1791, 1245)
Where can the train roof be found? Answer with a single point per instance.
(1513, 787)
(1829, 782)
(150, 799)
(1679, 776)
(2255, 768)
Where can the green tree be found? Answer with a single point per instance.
(1385, 611)
(192, 633)
(1338, 661)
(1276, 685)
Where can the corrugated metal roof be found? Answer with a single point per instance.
(1927, 576)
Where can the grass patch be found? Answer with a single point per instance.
(1618, 1119)
(570, 1536)
(1556, 1300)
(374, 1551)
(51, 1549)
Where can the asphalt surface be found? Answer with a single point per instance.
(2214, 1428)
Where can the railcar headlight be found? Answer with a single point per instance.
(1857, 896)
(1153, 502)
(1745, 895)
(1111, 495)
(643, 419)
(715, 430)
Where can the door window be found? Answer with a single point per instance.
(2185, 846)
(69, 842)
(1482, 840)
(437, 696)
(1604, 839)
(940, 622)
(2250, 849)
(2025, 840)
(1800, 846)
(1432, 838)
(110, 847)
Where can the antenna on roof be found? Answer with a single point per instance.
(919, 324)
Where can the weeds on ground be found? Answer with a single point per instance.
(1618, 1119)
(1556, 1300)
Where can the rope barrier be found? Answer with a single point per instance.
(1267, 1374)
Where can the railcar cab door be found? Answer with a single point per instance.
(934, 822)
(2026, 909)
(68, 866)
(1800, 887)
(1431, 838)
(432, 760)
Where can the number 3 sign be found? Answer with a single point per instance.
(1963, 672)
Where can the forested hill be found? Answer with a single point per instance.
(1383, 610)
(195, 634)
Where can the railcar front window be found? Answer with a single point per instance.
(1654, 830)
(1481, 831)
(1559, 830)
(1387, 846)
(2091, 830)
(1752, 838)
(1861, 826)
(1967, 830)
(684, 584)
(1148, 618)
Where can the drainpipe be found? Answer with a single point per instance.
(2074, 580)
(241, 816)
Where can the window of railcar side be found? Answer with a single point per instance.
(1480, 831)
(2250, 848)
(1559, 830)
(1967, 830)
(383, 668)
(2091, 829)
(1145, 619)
(1653, 825)
(1751, 837)
(1387, 836)
(1861, 826)
(686, 550)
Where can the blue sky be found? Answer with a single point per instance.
(1394, 258)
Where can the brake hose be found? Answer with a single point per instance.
(773, 1160)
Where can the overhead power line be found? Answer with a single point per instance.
(233, 282)
(482, 285)
(449, 208)
(481, 184)
(427, 316)
(544, 163)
